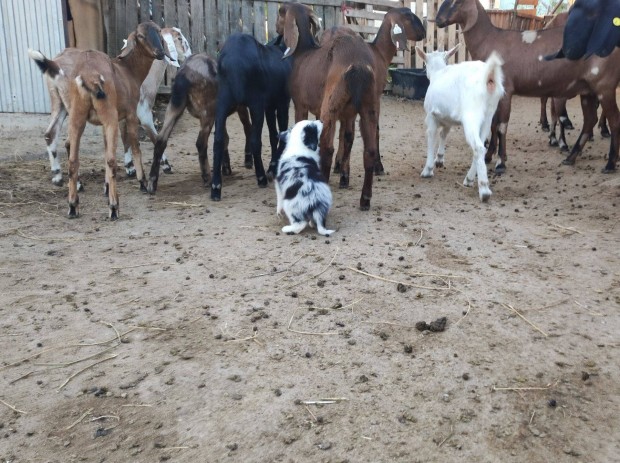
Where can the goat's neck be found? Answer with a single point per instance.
(137, 64)
(479, 37)
(383, 43)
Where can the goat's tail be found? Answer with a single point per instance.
(494, 76)
(46, 65)
(94, 86)
(358, 79)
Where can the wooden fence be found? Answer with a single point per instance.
(207, 23)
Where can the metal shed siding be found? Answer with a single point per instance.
(24, 24)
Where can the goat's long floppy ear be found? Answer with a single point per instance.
(291, 34)
(130, 44)
(420, 53)
(452, 51)
(399, 38)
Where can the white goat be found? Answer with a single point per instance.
(464, 94)
(179, 49)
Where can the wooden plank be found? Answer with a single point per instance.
(272, 17)
(247, 19)
(331, 18)
(363, 29)
(196, 35)
(318, 11)
(131, 15)
(350, 13)
(170, 13)
(223, 30)
(183, 15)
(380, 3)
(234, 20)
(452, 41)
(121, 24)
(158, 11)
(431, 27)
(260, 26)
(145, 15)
(210, 28)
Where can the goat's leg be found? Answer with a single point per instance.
(77, 122)
(173, 114)
(492, 140)
(564, 119)
(610, 109)
(282, 118)
(257, 114)
(244, 117)
(131, 138)
(130, 169)
(347, 144)
(202, 142)
(219, 145)
(368, 129)
(559, 105)
(431, 146)
(272, 128)
(340, 152)
(473, 135)
(503, 112)
(544, 122)
(588, 107)
(52, 134)
(602, 125)
(441, 150)
(553, 140)
(111, 137)
(379, 169)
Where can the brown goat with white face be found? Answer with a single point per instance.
(104, 91)
(342, 78)
(527, 73)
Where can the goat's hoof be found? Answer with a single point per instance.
(166, 167)
(57, 181)
(569, 161)
(364, 203)
(545, 127)
(248, 162)
(568, 125)
(484, 197)
(488, 159)
(216, 193)
(608, 169)
(605, 133)
(500, 169)
(438, 163)
(143, 188)
(553, 142)
(336, 167)
(427, 174)
(262, 181)
(564, 149)
(152, 186)
(344, 182)
(114, 213)
(74, 213)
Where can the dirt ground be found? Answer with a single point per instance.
(193, 331)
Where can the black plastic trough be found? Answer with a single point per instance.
(409, 83)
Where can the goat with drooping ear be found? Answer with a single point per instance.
(342, 78)
(103, 92)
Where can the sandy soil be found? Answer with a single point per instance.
(194, 331)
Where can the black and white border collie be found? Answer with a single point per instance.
(301, 190)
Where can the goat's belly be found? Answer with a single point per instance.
(445, 119)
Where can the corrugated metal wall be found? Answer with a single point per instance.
(27, 24)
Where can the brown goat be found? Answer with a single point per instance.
(342, 78)
(195, 89)
(528, 74)
(104, 91)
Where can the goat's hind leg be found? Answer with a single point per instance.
(588, 107)
(52, 134)
(202, 143)
(478, 166)
(77, 123)
(130, 137)
(431, 147)
(441, 150)
(346, 142)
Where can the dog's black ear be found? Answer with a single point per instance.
(311, 136)
(282, 141)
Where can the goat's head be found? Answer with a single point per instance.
(436, 59)
(177, 45)
(148, 37)
(297, 23)
(463, 12)
(404, 25)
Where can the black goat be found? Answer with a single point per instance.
(593, 28)
(254, 76)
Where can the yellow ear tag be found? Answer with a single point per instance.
(616, 21)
